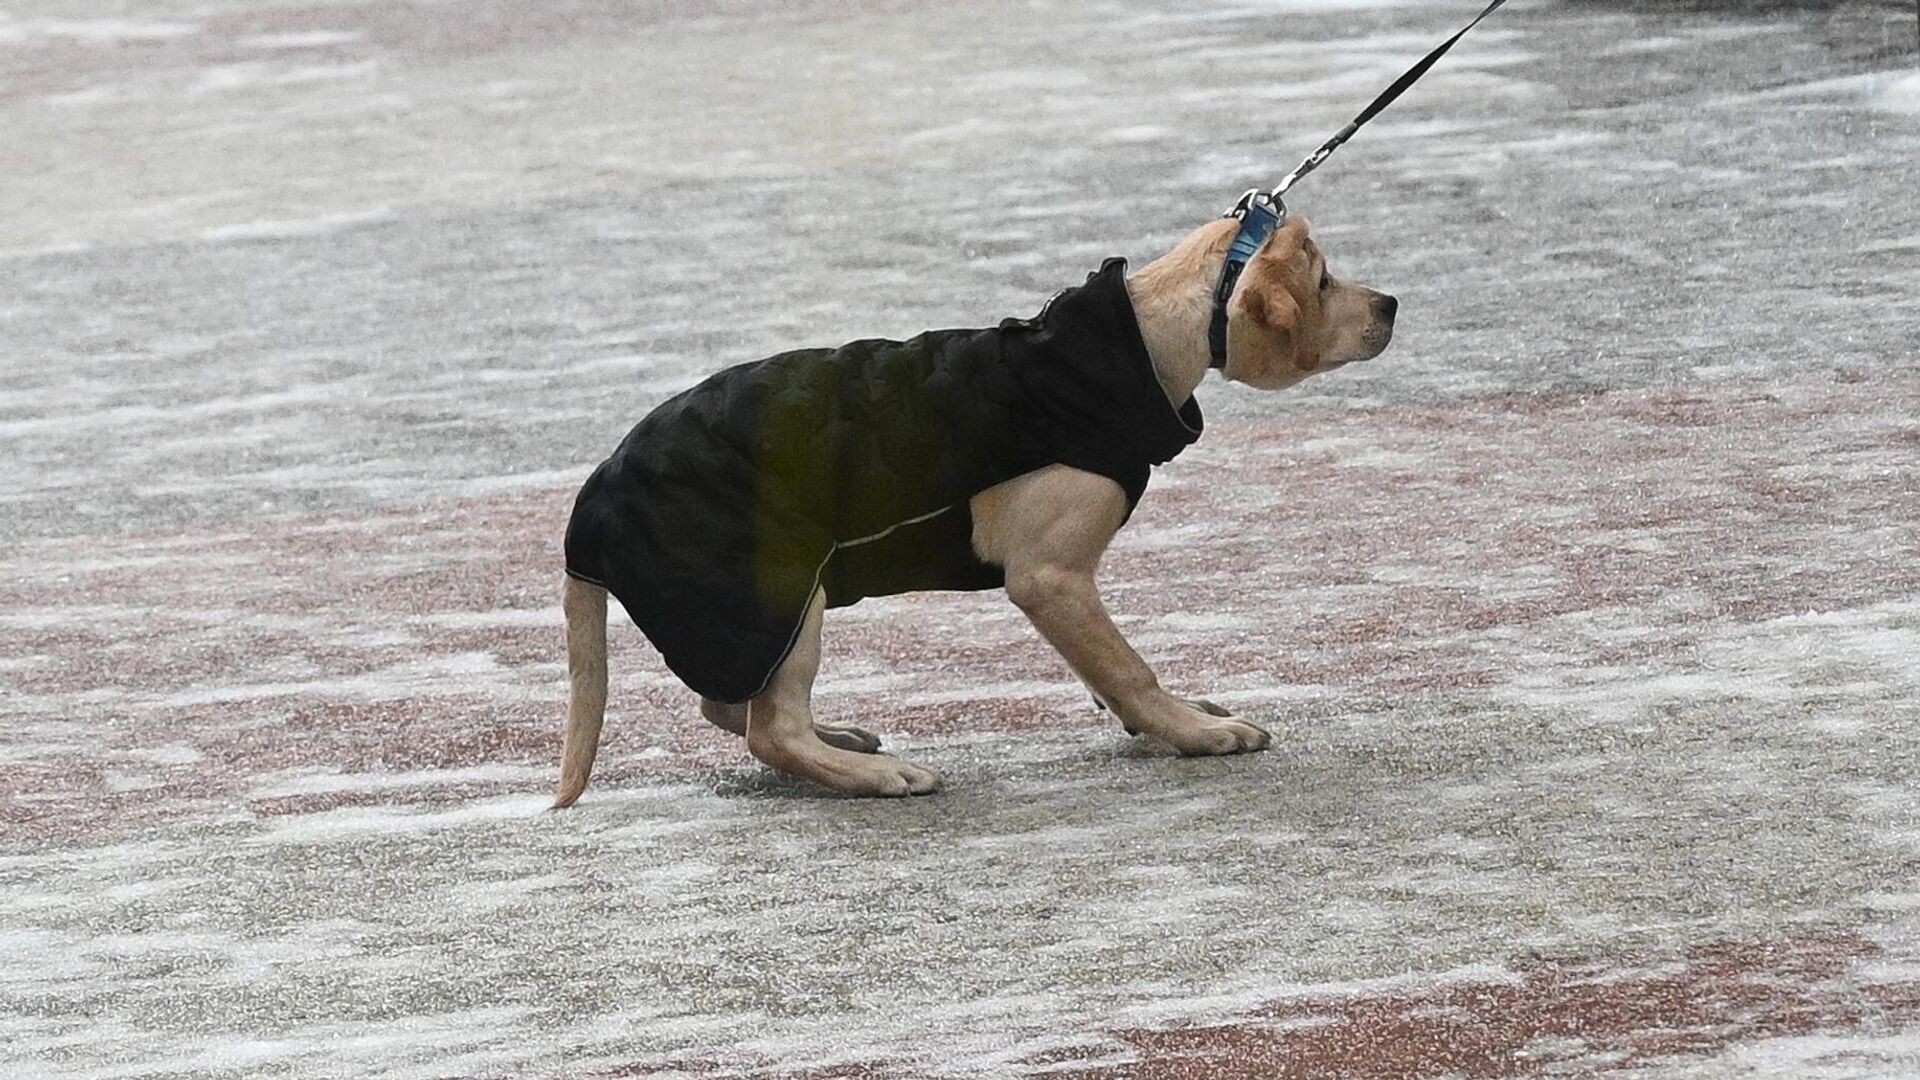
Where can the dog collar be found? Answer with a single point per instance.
(1259, 214)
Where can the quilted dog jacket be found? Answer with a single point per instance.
(852, 469)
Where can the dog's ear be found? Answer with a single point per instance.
(1266, 345)
(1269, 344)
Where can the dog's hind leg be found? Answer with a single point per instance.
(781, 731)
(586, 611)
(845, 736)
(726, 717)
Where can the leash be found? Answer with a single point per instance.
(1261, 212)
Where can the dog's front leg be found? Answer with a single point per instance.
(1065, 606)
(1049, 530)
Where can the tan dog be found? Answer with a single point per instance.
(1288, 318)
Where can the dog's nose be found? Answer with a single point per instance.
(1387, 306)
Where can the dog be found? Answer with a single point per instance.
(736, 513)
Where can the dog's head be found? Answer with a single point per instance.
(1290, 318)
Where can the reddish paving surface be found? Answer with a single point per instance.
(1379, 552)
(1544, 1016)
(1604, 1015)
(1463, 556)
(1598, 714)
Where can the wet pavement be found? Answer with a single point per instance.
(1585, 618)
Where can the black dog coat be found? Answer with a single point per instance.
(852, 468)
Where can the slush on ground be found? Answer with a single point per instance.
(1586, 618)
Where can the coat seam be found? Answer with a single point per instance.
(800, 623)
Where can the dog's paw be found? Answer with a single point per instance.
(868, 775)
(1224, 735)
(886, 777)
(848, 737)
(1202, 705)
(1199, 728)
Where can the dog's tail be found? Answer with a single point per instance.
(586, 609)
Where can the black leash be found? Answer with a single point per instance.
(1262, 212)
(1386, 98)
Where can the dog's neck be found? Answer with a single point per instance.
(1173, 300)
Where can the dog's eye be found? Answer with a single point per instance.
(1326, 280)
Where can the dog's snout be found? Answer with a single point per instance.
(1387, 306)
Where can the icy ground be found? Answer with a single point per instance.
(1587, 618)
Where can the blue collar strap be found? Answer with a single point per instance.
(1260, 213)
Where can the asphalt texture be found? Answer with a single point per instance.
(1587, 618)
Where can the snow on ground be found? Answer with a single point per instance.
(1585, 617)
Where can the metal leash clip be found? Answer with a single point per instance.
(1268, 200)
